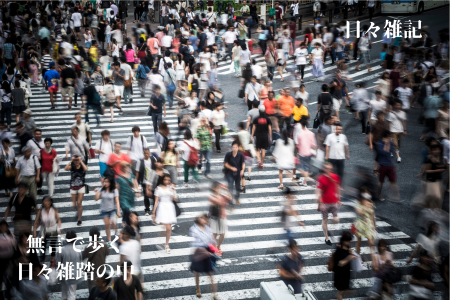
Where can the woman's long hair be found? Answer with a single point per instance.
(129, 47)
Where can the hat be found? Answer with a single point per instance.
(160, 27)
(262, 108)
(51, 64)
(28, 111)
(58, 38)
(25, 148)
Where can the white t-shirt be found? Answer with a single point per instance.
(83, 130)
(211, 18)
(376, 106)
(127, 68)
(210, 38)
(327, 39)
(317, 53)
(206, 113)
(337, 145)
(405, 95)
(132, 251)
(185, 150)
(300, 56)
(76, 18)
(166, 41)
(106, 147)
(192, 103)
(147, 169)
(136, 151)
(245, 56)
(304, 96)
(229, 37)
(295, 7)
(395, 118)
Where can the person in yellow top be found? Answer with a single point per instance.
(299, 110)
(93, 51)
(171, 161)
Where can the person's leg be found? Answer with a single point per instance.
(217, 133)
(80, 205)
(197, 283)
(155, 122)
(263, 155)
(168, 233)
(186, 172)
(325, 228)
(280, 176)
(358, 244)
(213, 285)
(107, 228)
(221, 238)
(237, 183)
(208, 162)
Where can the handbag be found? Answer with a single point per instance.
(141, 54)
(316, 121)
(177, 209)
(55, 166)
(127, 82)
(92, 152)
(214, 211)
(11, 171)
(86, 189)
(241, 93)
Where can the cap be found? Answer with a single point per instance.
(51, 64)
(25, 148)
(28, 111)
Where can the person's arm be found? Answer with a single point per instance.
(404, 127)
(98, 195)
(155, 207)
(327, 151)
(347, 153)
(68, 167)
(346, 260)
(38, 174)
(116, 199)
(37, 221)
(164, 108)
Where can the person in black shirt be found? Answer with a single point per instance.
(68, 80)
(24, 206)
(126, 289)
(101, 290)
(157, 105)
(234, 169)
(201, 39)
(262, 130)
(324, 104)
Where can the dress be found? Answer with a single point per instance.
(364, 222)
(165, 212)
(101, 32)
(181, 75)
(341, 275)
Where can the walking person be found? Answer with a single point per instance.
(317, 57)
(202, 258)
(336, 150)
(217, 212)
(306, 146)
(284, 155)
(145, 171)
(301, 54)
(157, 106)
(109, 205)
(271, 58)
(8, 162)
(127, 185)
(164, 211)
(50, 226)
(262, 130)
(365, 225)
(363, 45)
(189, 144)
(48, 158)
(28, 169)
(96, 254)
(129, 288)
(171, 161)
(234, 164)
(118, 75)
(385, 150)
(397, 126)
(328, 196)
(78, 171)
(218, 120)
(290, 267)
(76, 145)
(289, 216)
(104, 148)
(341, 264)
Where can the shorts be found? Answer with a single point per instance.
(304, 162)
(103, 168)
(108, 38)
(79, 191)
(88, 45)
(339, 55)
(329, 208)
(53, 89)
(67, 91)
(108, 214)
(384, 171)
(286, 56)
(118, 90)
(337, 104)
(77, 29)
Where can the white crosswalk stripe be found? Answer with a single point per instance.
(254, 226)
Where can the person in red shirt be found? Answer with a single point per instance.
(278, 13)
(328, 191)
(117, 159)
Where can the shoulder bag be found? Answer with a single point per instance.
(141, 54)
(127, 82)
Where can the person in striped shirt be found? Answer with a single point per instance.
(45, 60)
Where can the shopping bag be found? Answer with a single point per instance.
(232, 67)
(356, 264)
(316, 121)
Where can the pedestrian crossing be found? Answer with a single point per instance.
(255, 240)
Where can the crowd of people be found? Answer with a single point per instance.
(41, 47)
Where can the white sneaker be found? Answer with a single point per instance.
(185, 185)
(399, 159)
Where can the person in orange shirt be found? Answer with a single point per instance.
(286, 105)
(117, 159)
(151, 42)
(271, 105)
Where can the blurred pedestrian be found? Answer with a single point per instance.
(109, 205)
(78, 171)
(284, 155)
(341, 264)
(290, 267)
(219, 200)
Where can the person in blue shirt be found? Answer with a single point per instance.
(385, 151)
(51, 82)
(193, 39)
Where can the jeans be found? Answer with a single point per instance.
(125, 215)
(144, 17)
(217, 133)
(127, 94)
(97, 111)
(170, 91)
(207, 155)
(363, 119)
(271, 71)
(229, 49)
(142, 83)
(263, 45)
(6, 111)
(236, 179)
(156, 119)
(338, 166)
(186, 168)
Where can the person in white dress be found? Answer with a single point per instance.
(180, 69)
(164, 209)
(284, 155)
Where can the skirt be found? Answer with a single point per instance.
(203, 265)
(181, 75)
(219, 225)
(165, 213)
(317, 69)
(173, 173)
(19, 109)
